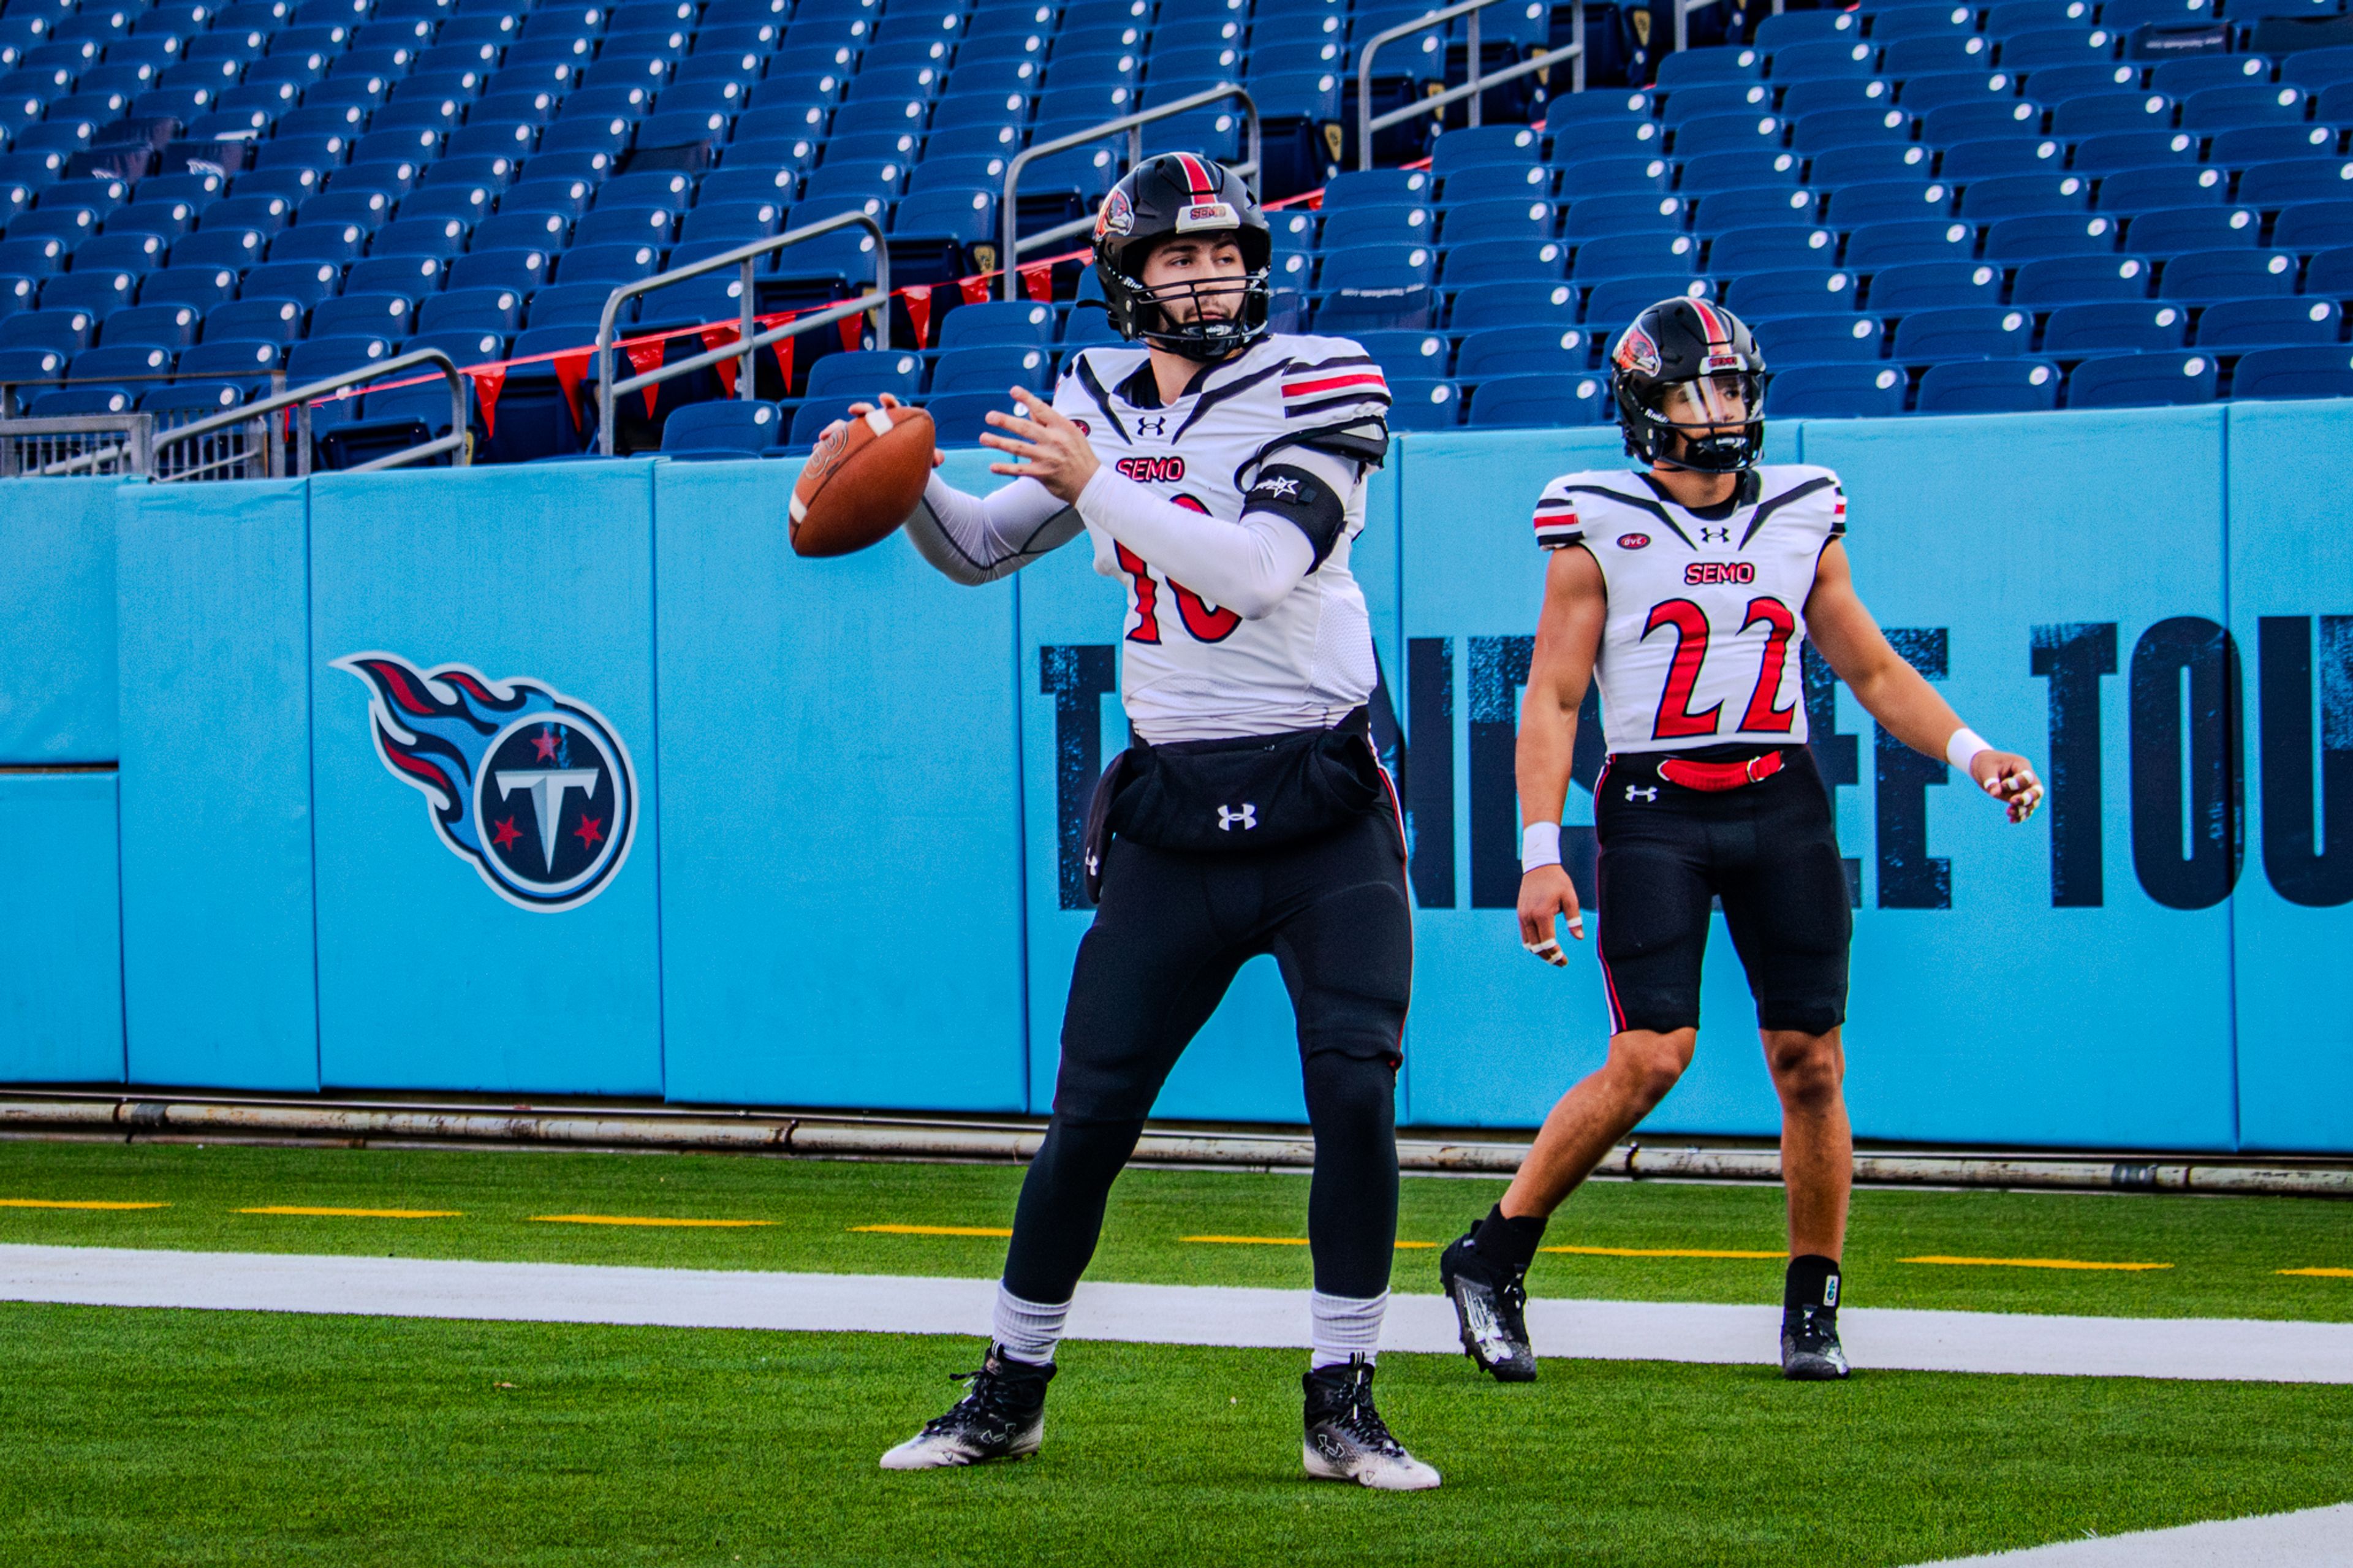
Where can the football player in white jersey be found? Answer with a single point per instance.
(1688, 587)
(1217, 471)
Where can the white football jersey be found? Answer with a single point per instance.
(1706, 613)
(1191, 669)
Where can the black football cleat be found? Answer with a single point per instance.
(1811, 1351)
(1001, 1417)
(1347, 1440)
(1490, 1310)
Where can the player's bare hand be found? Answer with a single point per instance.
(1046, 444)
(2009, 779)
(860, 410)
(1546, 894)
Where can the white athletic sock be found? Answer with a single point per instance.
(1346, 1326)
(1028, 1331)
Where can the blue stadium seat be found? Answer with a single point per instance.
(492, 310)
(2079, 280)
(2233, 325)
(2146, 190)
(1540, 400)
(1631, 211)
(2313, 225)
(1778, 247)
(1612, 304)
(1728, 210)
(1980, 119)
(1522, 220)
(1887, 201)
(2294, 372)
(2122, 151)
(172, 327)
(1860, 391)
(244, 363)
(1630, 256)
(1727, 133)
(2218, 108)
(1854, 95)
(959, 420)
(733, 429)
(2023, 195)
(1599, 141)
(1956, 55)
(1422, 402)
(1792, 291)
(1929, 20)
(1517, 305)
(2314, 70)
(1989, 387)
(1992, 158)
(2141, 381)
(2015, 240)
(1712, 172)
(63, 328)
(1469, 148)
(463, 347)
(1377, 187)
(1789, 341)
(1399, 353)
(515, 227)
(1377, 226)
(1572, 113)
(260, 320)
(1918, 94)
(520, 270)
(1823, 59)
(1504, 261)
(1926, 337)
(1024, 323)
(2177, 78)
(190, 400)
(2105, 113)
(2008, 18)
(1780, 31)
(1701, 67)
(1501, 351)
(2206, 276)
(2285, 143)
(2274, 185)
(1882, 245)
(2047, 46)
(991, 369)
(2170, 231)
(2116, 326)
(100, 292)
(1491, 182)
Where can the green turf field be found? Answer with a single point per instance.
(2224, 1254)
(137, 1437)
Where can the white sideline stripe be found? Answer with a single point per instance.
(2313, 1538)
(2231, 1349)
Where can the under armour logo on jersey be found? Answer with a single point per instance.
(1715, 536)
(1152, 424)
(1641, 792)
(1246, 816)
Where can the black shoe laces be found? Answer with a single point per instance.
(1815, 1332)
(1357, 1417)
(990, 1397)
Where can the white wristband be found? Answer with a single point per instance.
(1963, 748)
(1539, 845)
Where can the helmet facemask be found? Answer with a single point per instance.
(1711, 424)
(1228, 312)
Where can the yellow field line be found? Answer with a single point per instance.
(642, 1219)
(2322, 1273)
(65, 1203)
(358, 1214)
(1288, 1241)
(931, 1229)
(2035, 1262)
(1659, 1252)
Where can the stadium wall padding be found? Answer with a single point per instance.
(851, 874)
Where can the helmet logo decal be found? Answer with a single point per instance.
(1637, 353)
(1207, 214)
(1723, 359)
(1117, 215)
(1195, 176)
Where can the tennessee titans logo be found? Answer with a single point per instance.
(530, 786)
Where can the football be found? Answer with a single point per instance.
(862, 482)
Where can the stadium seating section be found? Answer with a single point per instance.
(1922, 207)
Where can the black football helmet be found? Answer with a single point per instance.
(1680, 340)
(1161, 198)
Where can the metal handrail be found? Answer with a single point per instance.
(749, 341)
(1134, 125)
(1478, 83)
(455, 442)
(133, 452)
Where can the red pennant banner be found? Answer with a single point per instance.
(1039, 279)
(783, 351)
(487, 383)
(644, 359)
(569, 369)
(719, 338)
(853, 333)
(919, 311)
(976, 290)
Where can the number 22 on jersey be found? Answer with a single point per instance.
(1688, 623)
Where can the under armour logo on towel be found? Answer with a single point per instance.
(1641, 792)
(1246, 816)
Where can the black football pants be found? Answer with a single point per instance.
(1168, 936)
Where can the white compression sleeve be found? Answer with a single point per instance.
(1246, 567)
(978, 539)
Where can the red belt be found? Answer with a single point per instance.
(1715, 777)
